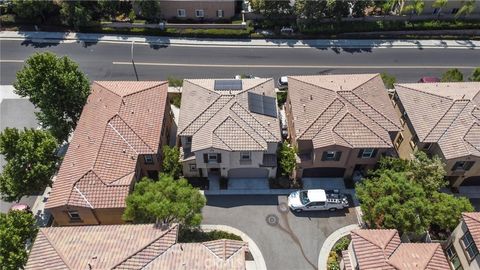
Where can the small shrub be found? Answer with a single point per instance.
(281, 98)
(197, 235)
(332, 262)
(341, 245)
(388, 80)
(176, 100)
(174, 82)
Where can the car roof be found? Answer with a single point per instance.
(316, 195)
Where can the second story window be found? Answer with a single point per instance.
(212, 158)
(469, 246)
(367, 153)
(399, 140)
(74, 216)
(220, 13)
(245, 156)
(148, 159)
(453, 258)
(199, 13)
(188, 141)
(463, 165)
(331, 155)
(181, 13)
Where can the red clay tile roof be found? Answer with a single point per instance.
(472, 220)
(222, 119)
(351, 110)
(120, 121)
(101, 246)
(414, 256)
(374, 247)
(444, 113)
(130, 247)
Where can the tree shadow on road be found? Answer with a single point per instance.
(228, 201)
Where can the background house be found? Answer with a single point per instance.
(442, 119)
(383, 249)
(117, 141)
(229, 128)
(462, 246)
(341, 124)
(201, 10)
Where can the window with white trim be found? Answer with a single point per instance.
(453, 258)
(212, 157)
(220, 13)
(245, 156)
(331, 155)
(399, 140)
(148, 159)
(181, 13)
(188, 140)
(463, 165)
(74, 216)
(469, 246)
(368, 152)
(199, 13)
(193, 167)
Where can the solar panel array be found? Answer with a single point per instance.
(225, 85)
(262, 104)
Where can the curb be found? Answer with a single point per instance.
(259, 261)
(259, 43)
(330, 241)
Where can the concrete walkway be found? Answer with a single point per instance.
(330, 242)
(259, 261)
(58, 37)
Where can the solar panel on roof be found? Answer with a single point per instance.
(262, 104)
(225, 85)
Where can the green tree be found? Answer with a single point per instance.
(392, 201)
(475, 77)
(149, 10)
(416, 7)
(309, 12)
(272, 9)
(337, 9)
(75, 14)
(428, 172)
(440, 4)
(452, 75)
(286, 159)
(31, 162)
(388, 80)
(171, 161)
(57, 87)
(166, 200)
(17, 229)
(468, 6)
(32, 9)
(359, 7)
(447, 210)
(108, 8)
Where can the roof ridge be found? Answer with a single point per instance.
(256, 85)
(141, 139)
(236, 102)
(370, 106)
(467, 214)
(230, 149)
(421, 91)
(312, 84)
(433, 253)
(324, 111)
(64, 260)
(149, 244)
(76, 181)
(229, 117)
(348, 113)
(105, 88)
(455, 102)
(146, 89)
(203, 112)
(467, 141)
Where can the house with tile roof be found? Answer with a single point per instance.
(442, 119)
(229, 128)
(117, 141)
(462, 246)
(383, 249)
(141, 246)
(341, 124)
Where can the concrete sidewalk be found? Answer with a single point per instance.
(46, 37)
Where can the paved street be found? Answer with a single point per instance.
(112, 61)
(286, 240)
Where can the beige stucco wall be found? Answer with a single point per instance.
(230, 160)
(88, 216)
(406, 149)
(169, 9)
(455, 239)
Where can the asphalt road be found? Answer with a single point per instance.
(287, 240)
(112, 61)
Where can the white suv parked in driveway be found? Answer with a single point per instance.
(317, 199)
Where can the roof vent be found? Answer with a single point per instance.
(311, 97)
(124, 151)
(132, 111)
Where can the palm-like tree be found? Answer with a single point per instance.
(467, 8)
(439, 4)
(416, 7)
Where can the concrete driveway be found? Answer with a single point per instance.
(286, 240)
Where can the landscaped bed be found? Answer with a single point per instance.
(198, 235)
(335, 255)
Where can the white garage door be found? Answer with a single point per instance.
(248, 173)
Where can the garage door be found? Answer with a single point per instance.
(248, 173)
(324, 172)
(471, 181)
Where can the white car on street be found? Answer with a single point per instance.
(317, 199)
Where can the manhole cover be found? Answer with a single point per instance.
(283, 208)
(272, 220)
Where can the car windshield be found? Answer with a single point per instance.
(304, 197)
